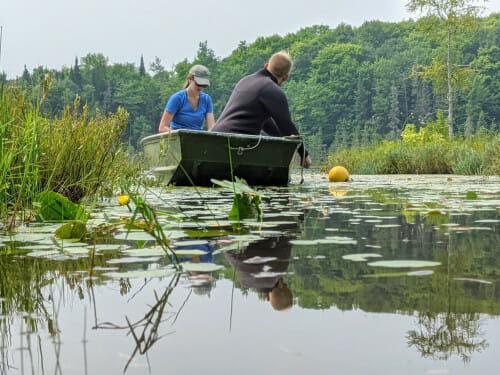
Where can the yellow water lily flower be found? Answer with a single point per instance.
(123, 199)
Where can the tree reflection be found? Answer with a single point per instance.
(443, 335)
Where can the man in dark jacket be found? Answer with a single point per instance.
(258, 103)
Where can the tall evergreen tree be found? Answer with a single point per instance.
(142, 69)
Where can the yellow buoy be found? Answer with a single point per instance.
(338, 174)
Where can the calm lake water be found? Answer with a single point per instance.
(381, 275)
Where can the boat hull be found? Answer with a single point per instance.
(189, 157)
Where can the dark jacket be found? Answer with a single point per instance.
(257, 103)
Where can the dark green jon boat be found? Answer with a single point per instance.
(190, 157)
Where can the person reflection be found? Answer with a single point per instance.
(201, 282)
(261, 267)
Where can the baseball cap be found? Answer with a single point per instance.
(200, 74)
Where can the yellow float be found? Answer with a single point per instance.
(338, 174)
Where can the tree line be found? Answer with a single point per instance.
(349, 86)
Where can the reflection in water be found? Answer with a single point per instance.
(145, 331)
(442, 335)
(261, 266)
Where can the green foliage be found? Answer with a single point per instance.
(246, 203)
(75, 229)
(54, 206)
(350, 86)
(424, 151)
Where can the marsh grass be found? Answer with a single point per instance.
(76, 155)
(422, 153)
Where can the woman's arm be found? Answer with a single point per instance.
(166, 119)
(210, 120)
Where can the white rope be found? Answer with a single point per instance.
(240, 149)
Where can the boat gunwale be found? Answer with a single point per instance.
(158, 136)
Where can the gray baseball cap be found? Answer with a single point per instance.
(200, 74)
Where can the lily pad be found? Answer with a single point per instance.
(140, 274)
(361, 257)
(473, 280)
(201, 267)
(421, 273)
(146, 252)
(259, 260)
(404, 263)
(134, 236)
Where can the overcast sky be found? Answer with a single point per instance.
(51, 33)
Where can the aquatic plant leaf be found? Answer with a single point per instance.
(190, 252)
(132, 260)
(75, 229)
(190, 243)
(110, 247)
(146, 252)
(201, 267)
(77, 250)
(238, 187)
(471, 195)
(421, 273)
(43, 253)
(140, 274)
(243, 208)
(404, 263)
(473, 280)
(54, 206)
(361, 257)
(134, 236)
(259, 260)
(338, 240)
(202, 233)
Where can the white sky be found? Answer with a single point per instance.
(51, 33)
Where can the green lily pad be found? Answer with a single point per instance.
(75, 229)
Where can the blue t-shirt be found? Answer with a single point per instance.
(184, 115)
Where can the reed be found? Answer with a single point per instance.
(76, 155)
(422, 153)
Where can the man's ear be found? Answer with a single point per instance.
(266, 65)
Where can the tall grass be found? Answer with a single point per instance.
(426, 151)
(76, 155)
(20, 131)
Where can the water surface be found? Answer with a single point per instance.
(381, 275)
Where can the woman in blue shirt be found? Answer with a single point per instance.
(188, 108)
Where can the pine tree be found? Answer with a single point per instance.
(142, 69)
